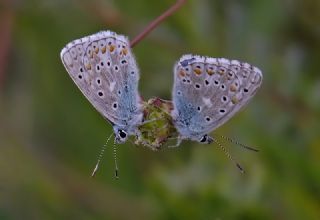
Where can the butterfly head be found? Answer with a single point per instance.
(205, 139)
(121, 136)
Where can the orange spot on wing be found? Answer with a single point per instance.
(103, 49)
(91, 54)
(88, 66)
(182, 73)
(124, 51)
(197, 71)
(233, 88)
(111, 48)
(222, 71)
(210, 72)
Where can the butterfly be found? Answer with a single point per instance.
(207, 92)
(104, 69)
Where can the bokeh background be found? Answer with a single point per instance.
(50, 135)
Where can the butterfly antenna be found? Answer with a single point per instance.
(115, 159)
(229, 155)
(239, 144)
(100, 157)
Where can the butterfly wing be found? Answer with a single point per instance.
(209, 91)
(104, 69)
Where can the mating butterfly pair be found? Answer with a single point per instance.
(206, 91)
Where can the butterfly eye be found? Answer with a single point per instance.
(122, 134)
(203, 139)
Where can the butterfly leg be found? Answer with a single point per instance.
(179, 140)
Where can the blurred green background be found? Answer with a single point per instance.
(50, 135)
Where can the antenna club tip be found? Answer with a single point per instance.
(240, 168)
(116, 175)
(95, 170)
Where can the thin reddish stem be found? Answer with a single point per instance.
(156, 22)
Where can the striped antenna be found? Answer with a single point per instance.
(229, 155)
(100, 157)
(115, 159)
(238, 143)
